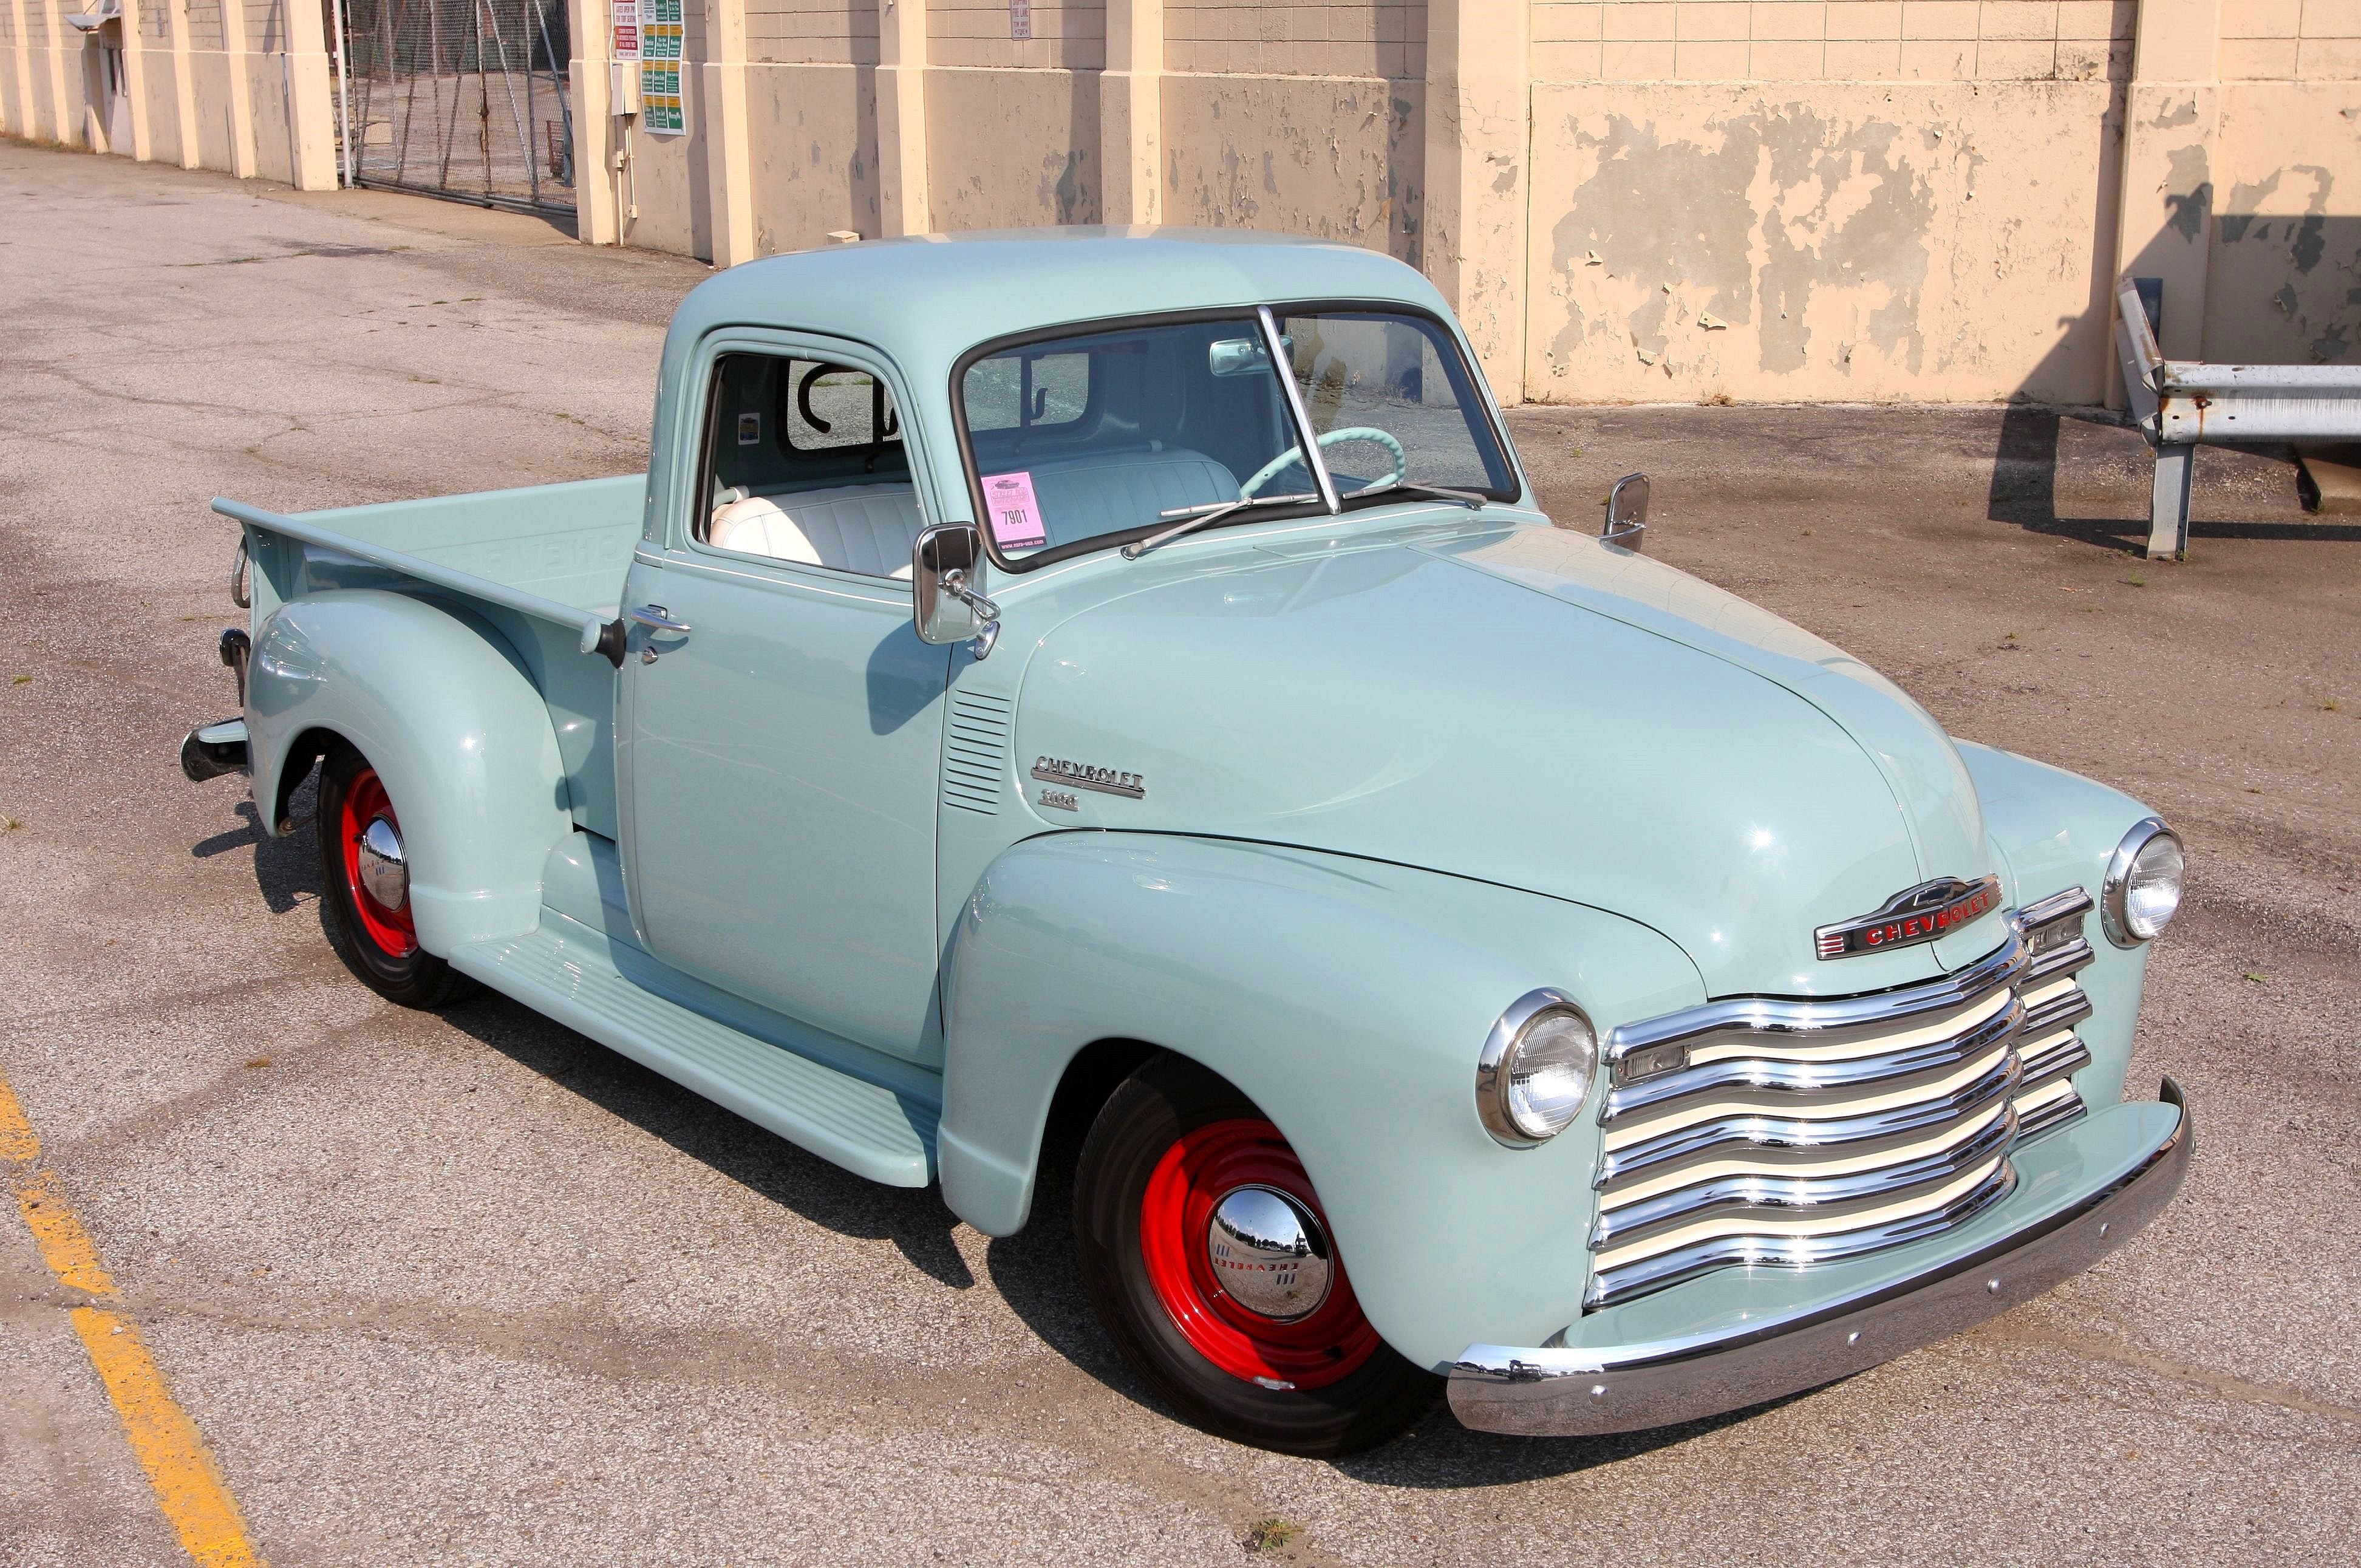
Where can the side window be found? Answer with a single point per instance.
(804, 462)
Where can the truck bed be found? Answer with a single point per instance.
(544, 565)
(567, 543)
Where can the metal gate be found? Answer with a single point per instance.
(461, 98)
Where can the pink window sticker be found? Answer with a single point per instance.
(1015, 511)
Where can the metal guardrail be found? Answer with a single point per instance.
(2180, 403)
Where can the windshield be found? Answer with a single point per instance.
(1086, 440)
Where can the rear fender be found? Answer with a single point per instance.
(447, 713)
(1349, 1000)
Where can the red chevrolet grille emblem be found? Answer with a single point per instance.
(1921, 914)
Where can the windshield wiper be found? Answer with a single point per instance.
(1468, 499)
(1199, 517)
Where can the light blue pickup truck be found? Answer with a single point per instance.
(1116, 694)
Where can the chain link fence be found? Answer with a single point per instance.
(462, 98)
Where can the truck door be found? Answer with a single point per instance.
(781, 738)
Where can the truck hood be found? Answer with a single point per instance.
(1529, 707)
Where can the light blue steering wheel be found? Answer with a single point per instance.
(1264, 475)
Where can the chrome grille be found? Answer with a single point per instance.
(1767, 1131)
(2054, 1004)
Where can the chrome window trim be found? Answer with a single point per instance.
(1061, 556)
(1307, 440)
(1492, 1083)
(2118, 879)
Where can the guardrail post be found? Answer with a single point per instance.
(2168, 509)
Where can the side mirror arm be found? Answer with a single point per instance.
(946, 579)
(954, 582)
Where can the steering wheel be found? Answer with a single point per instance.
(1264, 475)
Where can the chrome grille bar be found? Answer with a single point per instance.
(1831, 1195)
(1821, 1134)
(1808, 1081)
(1770, 1249)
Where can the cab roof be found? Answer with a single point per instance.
(924, 301)
(928, 299)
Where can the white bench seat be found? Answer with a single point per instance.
(870, 529)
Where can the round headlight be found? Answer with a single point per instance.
(2142, 886)
(1536, 1069)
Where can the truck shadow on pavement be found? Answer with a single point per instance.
(287, 871)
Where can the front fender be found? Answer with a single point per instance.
(447, 713)
(1349, 1000)
(2054, 831)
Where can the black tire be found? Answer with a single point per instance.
(1140, 1123)
(413, 978)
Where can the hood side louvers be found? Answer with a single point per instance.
(975, 752)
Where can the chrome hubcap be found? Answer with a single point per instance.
(1268, 1252)
(384, 874)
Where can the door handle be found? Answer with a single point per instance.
(656, 617)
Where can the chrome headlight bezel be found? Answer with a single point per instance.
(1496, 1068)
(2114, 915)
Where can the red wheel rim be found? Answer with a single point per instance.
(390, 931)
(1204, 1166)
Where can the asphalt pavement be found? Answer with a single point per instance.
(470, 1288)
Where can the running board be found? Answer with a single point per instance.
(568, 971)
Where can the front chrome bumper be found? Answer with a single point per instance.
(1574, 1392)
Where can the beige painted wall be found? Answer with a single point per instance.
(1338, 157)
(1948, 240)
(1626, 199)
(238, 85)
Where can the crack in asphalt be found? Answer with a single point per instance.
(2222, 1385)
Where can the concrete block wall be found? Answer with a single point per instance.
(238, 85)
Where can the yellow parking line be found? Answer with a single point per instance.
(169, 1448)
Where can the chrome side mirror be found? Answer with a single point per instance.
(1626, 513)
(946, 574)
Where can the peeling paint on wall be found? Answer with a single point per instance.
(1010, 149)
(1336, 159)
(2189, 194)
(807, 172)
(2283, 280)
(1861, 243)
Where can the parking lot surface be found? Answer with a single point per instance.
(470, 1288)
